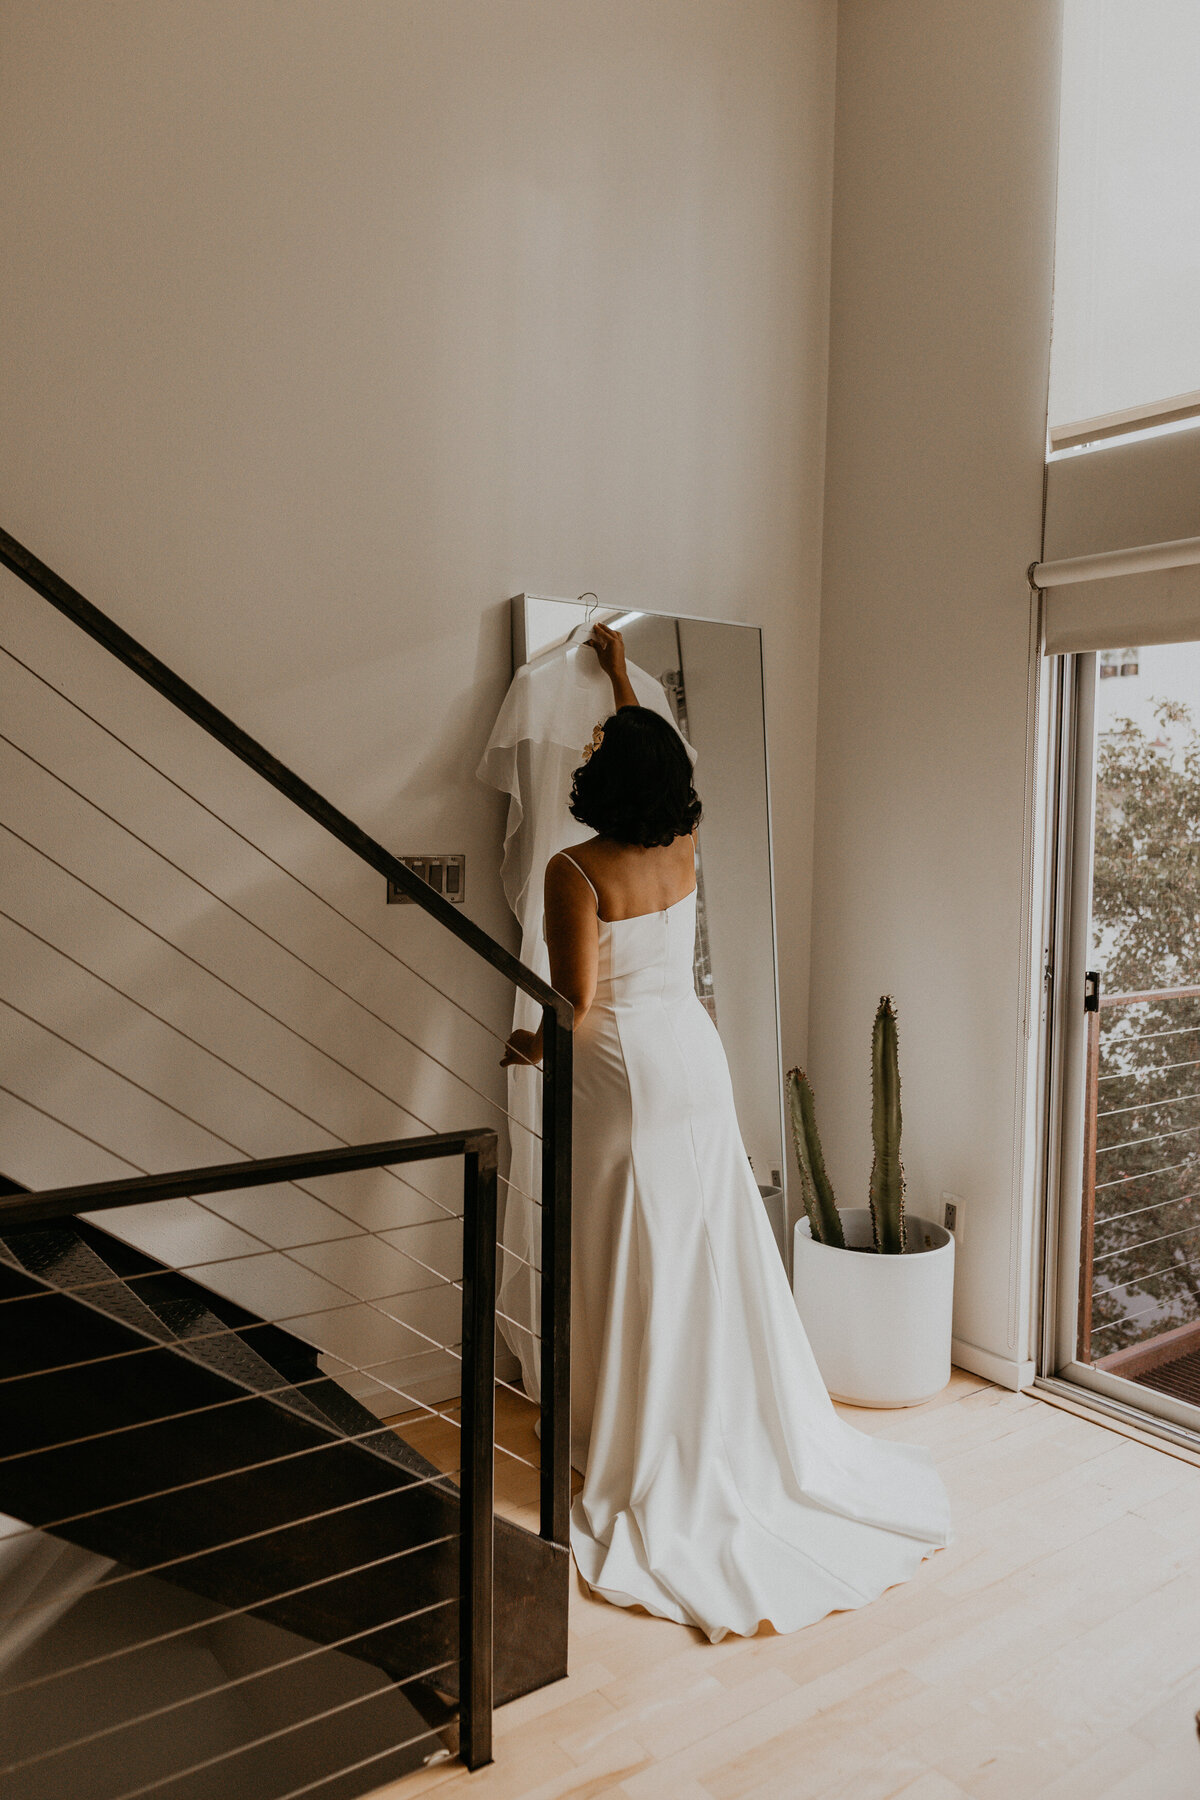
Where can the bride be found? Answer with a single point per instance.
(721, 1489)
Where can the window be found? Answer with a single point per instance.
(1128, 1290)
(1119, 662)
(1127, 264)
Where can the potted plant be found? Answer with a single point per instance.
(874, 1287)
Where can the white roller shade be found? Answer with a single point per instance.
(1148, 594)
(1127, 242)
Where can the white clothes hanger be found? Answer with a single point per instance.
(580, 633)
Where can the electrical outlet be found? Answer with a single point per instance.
(954, 1209)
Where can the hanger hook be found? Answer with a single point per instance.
(589, 610)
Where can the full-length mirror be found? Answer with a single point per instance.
(706, 676)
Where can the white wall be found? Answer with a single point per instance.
(332, 325)
(327, 327)
(940, 327)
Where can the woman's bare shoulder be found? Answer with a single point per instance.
(569, 874)
(579, 856)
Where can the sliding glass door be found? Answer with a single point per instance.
(1126, 1251)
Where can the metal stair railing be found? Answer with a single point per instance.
(555, 1252)
(478, 1148)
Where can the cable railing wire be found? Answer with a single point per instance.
(207, 1050)
(1146, 1037)
(364, 1762)
(267, 1246)
(237, 1331)
(268, 1249)
(426, 1408)
(241, 1256)
(1140, 1106)
(1166, 1237)
(438, 1477)
(355, 1075)
(257, 848)
(97, 1191)
(1138, 1211)
(1144, 1174)
(277, 943)
(225, 1686)
(269, 1737)
(1172, 1268)
(220, 979)
(226, 1612)
(477, 1298)
(181, 1345)
(365, 1438)
(1144, 1074)
(312, 1244)
(383, 1235)
(1159, 1137)
(245, 1256)
(1131, 1318)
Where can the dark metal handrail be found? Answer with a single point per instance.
(476, 1481)
(557, 1013)
(182, 695)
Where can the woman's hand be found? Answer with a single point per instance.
(609, 646)
(522, 1047)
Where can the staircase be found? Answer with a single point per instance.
(222, 1427)
(152, 1421)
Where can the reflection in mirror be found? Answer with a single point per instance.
(707, 678)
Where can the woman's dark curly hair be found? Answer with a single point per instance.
(637, 787)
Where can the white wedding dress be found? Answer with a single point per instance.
(721, 1487)
(537, 741)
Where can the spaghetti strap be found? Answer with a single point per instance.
(567, 857)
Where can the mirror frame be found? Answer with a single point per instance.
(520, 655)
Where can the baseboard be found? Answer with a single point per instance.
(1005, 1371)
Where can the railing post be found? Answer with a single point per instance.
(476, 1473)
(556, 1279)
(1087, 1223)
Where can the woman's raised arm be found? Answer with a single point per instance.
(609, 646)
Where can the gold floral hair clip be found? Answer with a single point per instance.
(589, 750)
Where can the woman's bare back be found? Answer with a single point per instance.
(631, 879)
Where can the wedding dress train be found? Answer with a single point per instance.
(721, 1487)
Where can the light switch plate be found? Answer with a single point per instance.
(445, 872)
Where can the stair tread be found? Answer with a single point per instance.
(340, 1512)
(201, 1334)
(61, 1255)
(57, 1254)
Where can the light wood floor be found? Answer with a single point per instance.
(1052, 1653)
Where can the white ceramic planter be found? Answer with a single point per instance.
(879, 1326)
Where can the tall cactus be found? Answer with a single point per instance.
(815, 1189)
(887, 1171)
